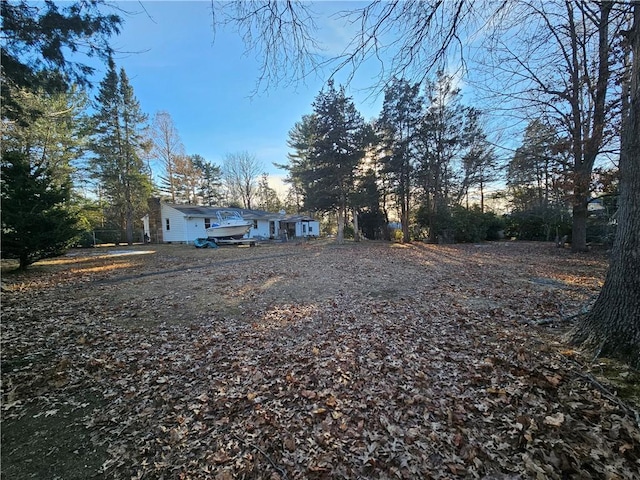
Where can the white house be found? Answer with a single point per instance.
(184, 223)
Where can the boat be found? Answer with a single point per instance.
(229, 226)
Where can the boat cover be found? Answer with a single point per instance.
(204, 243)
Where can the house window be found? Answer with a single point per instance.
(207, 223)
(255, 224)
(168, 225)
(310, 228)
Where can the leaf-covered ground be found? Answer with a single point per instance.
(310, 360)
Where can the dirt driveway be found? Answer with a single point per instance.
(309, 360)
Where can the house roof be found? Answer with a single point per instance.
(204, 212)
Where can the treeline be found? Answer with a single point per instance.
(426, 161)
(72, 163)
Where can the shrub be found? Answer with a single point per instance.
(541, 224)
(459, 224)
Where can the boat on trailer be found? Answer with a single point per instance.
(229, 226)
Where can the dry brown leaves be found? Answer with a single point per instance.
(318, 361)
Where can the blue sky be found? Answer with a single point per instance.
(207, 83)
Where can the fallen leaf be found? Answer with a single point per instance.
(310, 394)
(554, 420)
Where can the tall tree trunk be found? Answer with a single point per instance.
(431, 209)
(593, 143)
(386, 234)
(129, 226)
(340, 237)
(612, 327)
(405, 187)
(356, 228)
(24, 260)
(404, 220)
(579, 221)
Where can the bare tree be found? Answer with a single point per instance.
(562, 66)
(612, 327)
(167, 148)
(240, 172)
(282, 32)
(408, 38)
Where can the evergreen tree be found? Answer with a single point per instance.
(479, 163)
(36, 42)
(445, 137)
(371, 219)
(399, 125)
(210, 187)
(336, 152)
(37, 157)
(40, 118)
(187, 179)
(537, 175)
(329, 146)
(118, 144)
(301, 139)
(36, 221)
(538, 184)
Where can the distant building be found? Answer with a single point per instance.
(171, 223)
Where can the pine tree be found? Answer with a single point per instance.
(36, 222)
(399, 125)
(537, 174)
(337, 150)
(118, 144)
(37, 41)
(39, 112)
(37, 165)
(538, 182)
(479, 163)
(267, 197)
(329, 146)
(210, 186)
(444, 139)
(371, 218)
(301, 138)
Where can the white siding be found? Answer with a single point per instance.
(308, 229)
(176, 232)
(261, 231)
(195, 228)
(313, 230)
